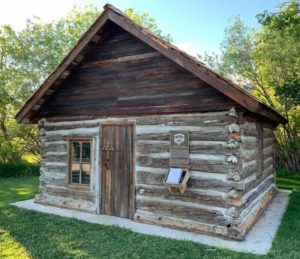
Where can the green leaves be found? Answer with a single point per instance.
(27, 57)
(147, 22)
(267, 61)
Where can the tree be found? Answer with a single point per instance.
(149, 23)
(27, 57)
(266, 62)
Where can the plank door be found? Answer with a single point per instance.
(117, 181)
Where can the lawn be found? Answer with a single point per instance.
(28, 234)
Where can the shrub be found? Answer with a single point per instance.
(19, 169)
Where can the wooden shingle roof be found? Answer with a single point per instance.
(93, 34)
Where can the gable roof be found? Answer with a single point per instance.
(110, 13)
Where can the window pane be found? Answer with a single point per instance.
(86, 152)
(75, 173)
(75, 151)
(86, 169)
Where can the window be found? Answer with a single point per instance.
(80, 162)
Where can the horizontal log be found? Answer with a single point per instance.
(59, 157)
(249, 129)
(268, 151)
(248, 145)
(64, 202)
(73, 132)
(255, 203)
(269, 142)
(195, 181)
(253, 194)
(248, 155)
(82, 124)
(59, 146)
(184, 210)
(53, 175)
(116, 61)
(52, 181)
(249, 139)
(152, 162)
(250, 185)
(70, 193)
(208, 135)
(248, 168)
(268, 161)
(150, 129)
(204, 147)
(242, 229)
(152, 146)
(268, 171)
(207, 197)
(182, 224)
(54, 168)
(204, 165)
(268, 133)
(206, 118)
(214, 147)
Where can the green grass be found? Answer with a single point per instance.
(288, 180)
(18, 169)
(28, 234)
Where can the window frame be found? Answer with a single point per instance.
(69, 182)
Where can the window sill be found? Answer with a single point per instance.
(78, 187)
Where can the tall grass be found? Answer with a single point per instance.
(19, 169)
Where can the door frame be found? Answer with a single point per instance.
(133, 191)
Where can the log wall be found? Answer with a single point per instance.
(231, 166)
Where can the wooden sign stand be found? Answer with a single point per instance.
(179, 158)
(181, 186)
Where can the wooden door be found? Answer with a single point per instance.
(117, 181)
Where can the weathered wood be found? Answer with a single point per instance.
(253, 216)
(70, 193)
(194, 182)
(249, 168)
(260, 148)
(207, 197)
(253, 194)
(182, 224)
(64, 202)
(119, 38)
(140, 81)
(249, 128)
(117, 183)
(248, 155)
(268, 161)
(55, 157)
(60, 146)
(223, 170)
(212, 215)
(116, 61)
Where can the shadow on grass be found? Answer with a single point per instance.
(52, 236)
(49, 236)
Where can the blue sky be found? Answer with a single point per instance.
(198, 25)
(195, 25)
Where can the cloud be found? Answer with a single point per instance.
(16, 12)
(188, 48)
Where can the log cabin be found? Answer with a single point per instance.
(133, 127)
